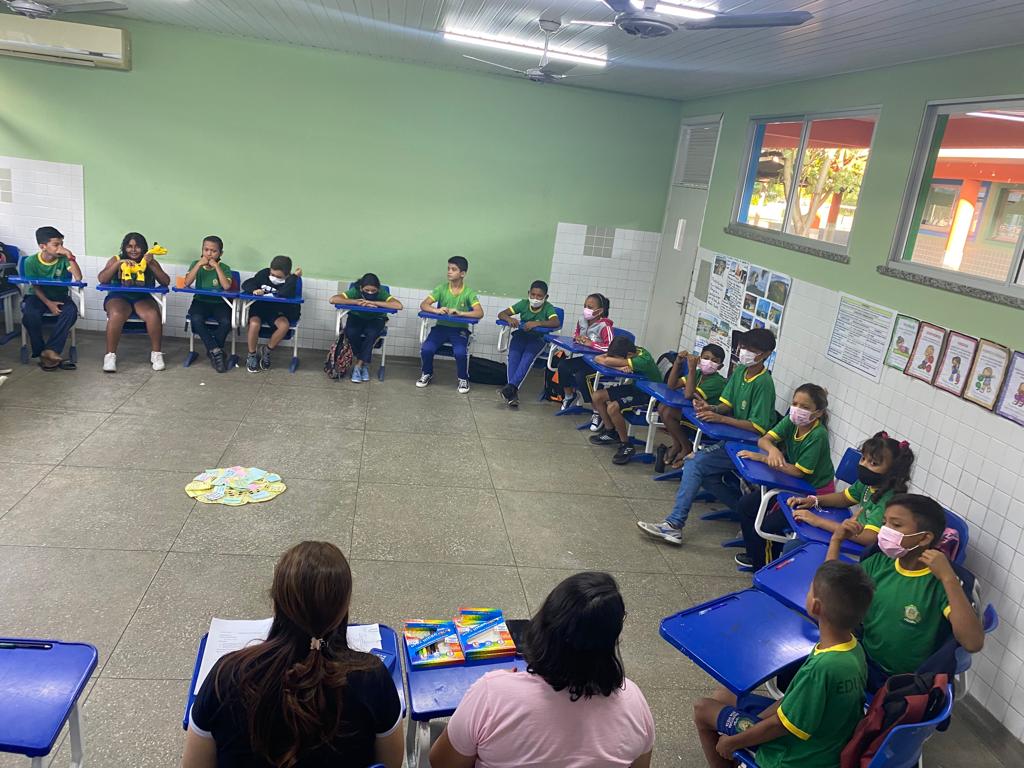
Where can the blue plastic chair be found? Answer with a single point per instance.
(267, 330)
(902, 746)
(505, 337)
(381, 343)
(847, 469)
(75, 291)
(236, 282)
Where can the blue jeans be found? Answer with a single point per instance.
(707, 470)
(362, 334)
(445, 334)
(523, 349)
(32, 311)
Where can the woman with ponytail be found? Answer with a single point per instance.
(302, 698)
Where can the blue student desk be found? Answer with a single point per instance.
(741, 639)
(436, 692)
(566, 344)
(388, 638)
(807, 532)
(371, 310)
(229, 299)
(39, 690)
(789, 578)
(425, 317)
(614, 373)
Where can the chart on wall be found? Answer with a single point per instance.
(860, 336)
(741, 296)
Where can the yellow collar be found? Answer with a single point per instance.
(912, 574)
(44, 261)
(847, 646)
(752, 377)
(814, 426)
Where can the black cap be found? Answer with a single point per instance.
(46, 234)
(760, 339)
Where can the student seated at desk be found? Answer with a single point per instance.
(702, 380)
(455, 299)
(593, 330)
(53, 262)
(531, 318)
(278, 281)
(748, 403)
(811, 724)
(918, 597)
(573, 707)
(610, 402)
(119, 306)
(209, 273)
(883, 471)
(796, 446)
(302, 698)
(362, 329)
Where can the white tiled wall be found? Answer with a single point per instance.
(626, 278)
(969, 459)
(43, 194)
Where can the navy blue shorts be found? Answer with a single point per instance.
(733, 720)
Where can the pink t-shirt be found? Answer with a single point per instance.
(515, 719)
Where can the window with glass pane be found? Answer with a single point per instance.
(968, 215)
(773, 159)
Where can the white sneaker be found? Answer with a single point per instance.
(110, 362)
(424, 380)
(157, 359)
(596, 422)
(463, 386)
(2, 380)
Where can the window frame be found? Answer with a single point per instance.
(782, 238)
(1010, 290)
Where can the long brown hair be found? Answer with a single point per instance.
(290, 690)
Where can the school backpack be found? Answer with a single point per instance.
(904, 699)
(339, 358)
(490, 372)
(552, 389)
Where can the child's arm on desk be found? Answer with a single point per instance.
(966, 626)
(618, 363)
(718, 414)
(768, 729)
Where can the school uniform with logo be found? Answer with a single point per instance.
(33, 309)
(210, 308)
(872, 506)
(449, 331)
(524, 346)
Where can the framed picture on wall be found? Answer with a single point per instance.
(957, 358)
(987, 374)
(903, 335)
(1011, 400)
(925, 356)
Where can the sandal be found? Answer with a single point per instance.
(67, 365)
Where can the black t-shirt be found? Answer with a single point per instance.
(371, 707)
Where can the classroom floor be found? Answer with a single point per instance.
(438, 500)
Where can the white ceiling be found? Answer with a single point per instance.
(843, 36)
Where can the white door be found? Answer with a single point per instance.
(680, 235)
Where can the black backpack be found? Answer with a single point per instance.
(553, 391)
(484, 371)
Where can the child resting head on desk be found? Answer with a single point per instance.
(574, 705)
(301, 698)
(815, 719)
(919, 598)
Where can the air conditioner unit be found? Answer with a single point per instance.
(63, 42)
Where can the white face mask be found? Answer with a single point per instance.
(747, 357)
(536, 303)
(277, 280)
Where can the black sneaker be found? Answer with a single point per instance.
(605, 438)
(252, 363)
(514, 402)
(624, 454)
(217, 360)
(743, 561)
(265, 358)
(506, 392)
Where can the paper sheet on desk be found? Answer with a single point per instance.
(227, 635)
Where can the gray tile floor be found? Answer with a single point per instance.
(438, 499)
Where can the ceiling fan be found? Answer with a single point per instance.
(36, 10)
(657, 18)
(546, 71)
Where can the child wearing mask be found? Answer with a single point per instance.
(702, 380)
(797, 446)
(531, 318)
(362, 329)
(593, 330)
(279, 281)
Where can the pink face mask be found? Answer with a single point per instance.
(890, 541)
(589, 314)
(707, 367)
(800, 416)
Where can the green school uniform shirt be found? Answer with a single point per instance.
(529, 315)
(464, 301)
(751, 399)
(810, 453)
(207, 280)
(644, 366)
(382, 295)
(872, 510)
(908, 616)
(709, 387)
(820, 710)
(37, 269)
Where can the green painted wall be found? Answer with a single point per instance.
(345, 163)
(902, 92)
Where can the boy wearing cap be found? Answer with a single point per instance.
(53, 262)
(747, 402)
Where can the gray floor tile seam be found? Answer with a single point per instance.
(49, 470)
(359, 475)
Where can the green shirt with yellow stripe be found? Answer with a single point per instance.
(908, 617)
(643, 365)
(463, 301)
(708, 387)
(872, 508)
(529, 315)
(808, 452)
(751, 399)
(821, 709)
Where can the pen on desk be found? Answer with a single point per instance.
(10, 646)
(784, 563)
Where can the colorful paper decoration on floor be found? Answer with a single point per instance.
(235, 486)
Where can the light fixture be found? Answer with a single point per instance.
(997, 116)
(674, 8)
(514, 46)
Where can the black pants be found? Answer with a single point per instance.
(572, 372)
(761, 551)
(220, 313)
(362, 333)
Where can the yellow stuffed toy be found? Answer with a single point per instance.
(134, 273)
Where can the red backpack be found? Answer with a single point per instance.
(904, 699)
